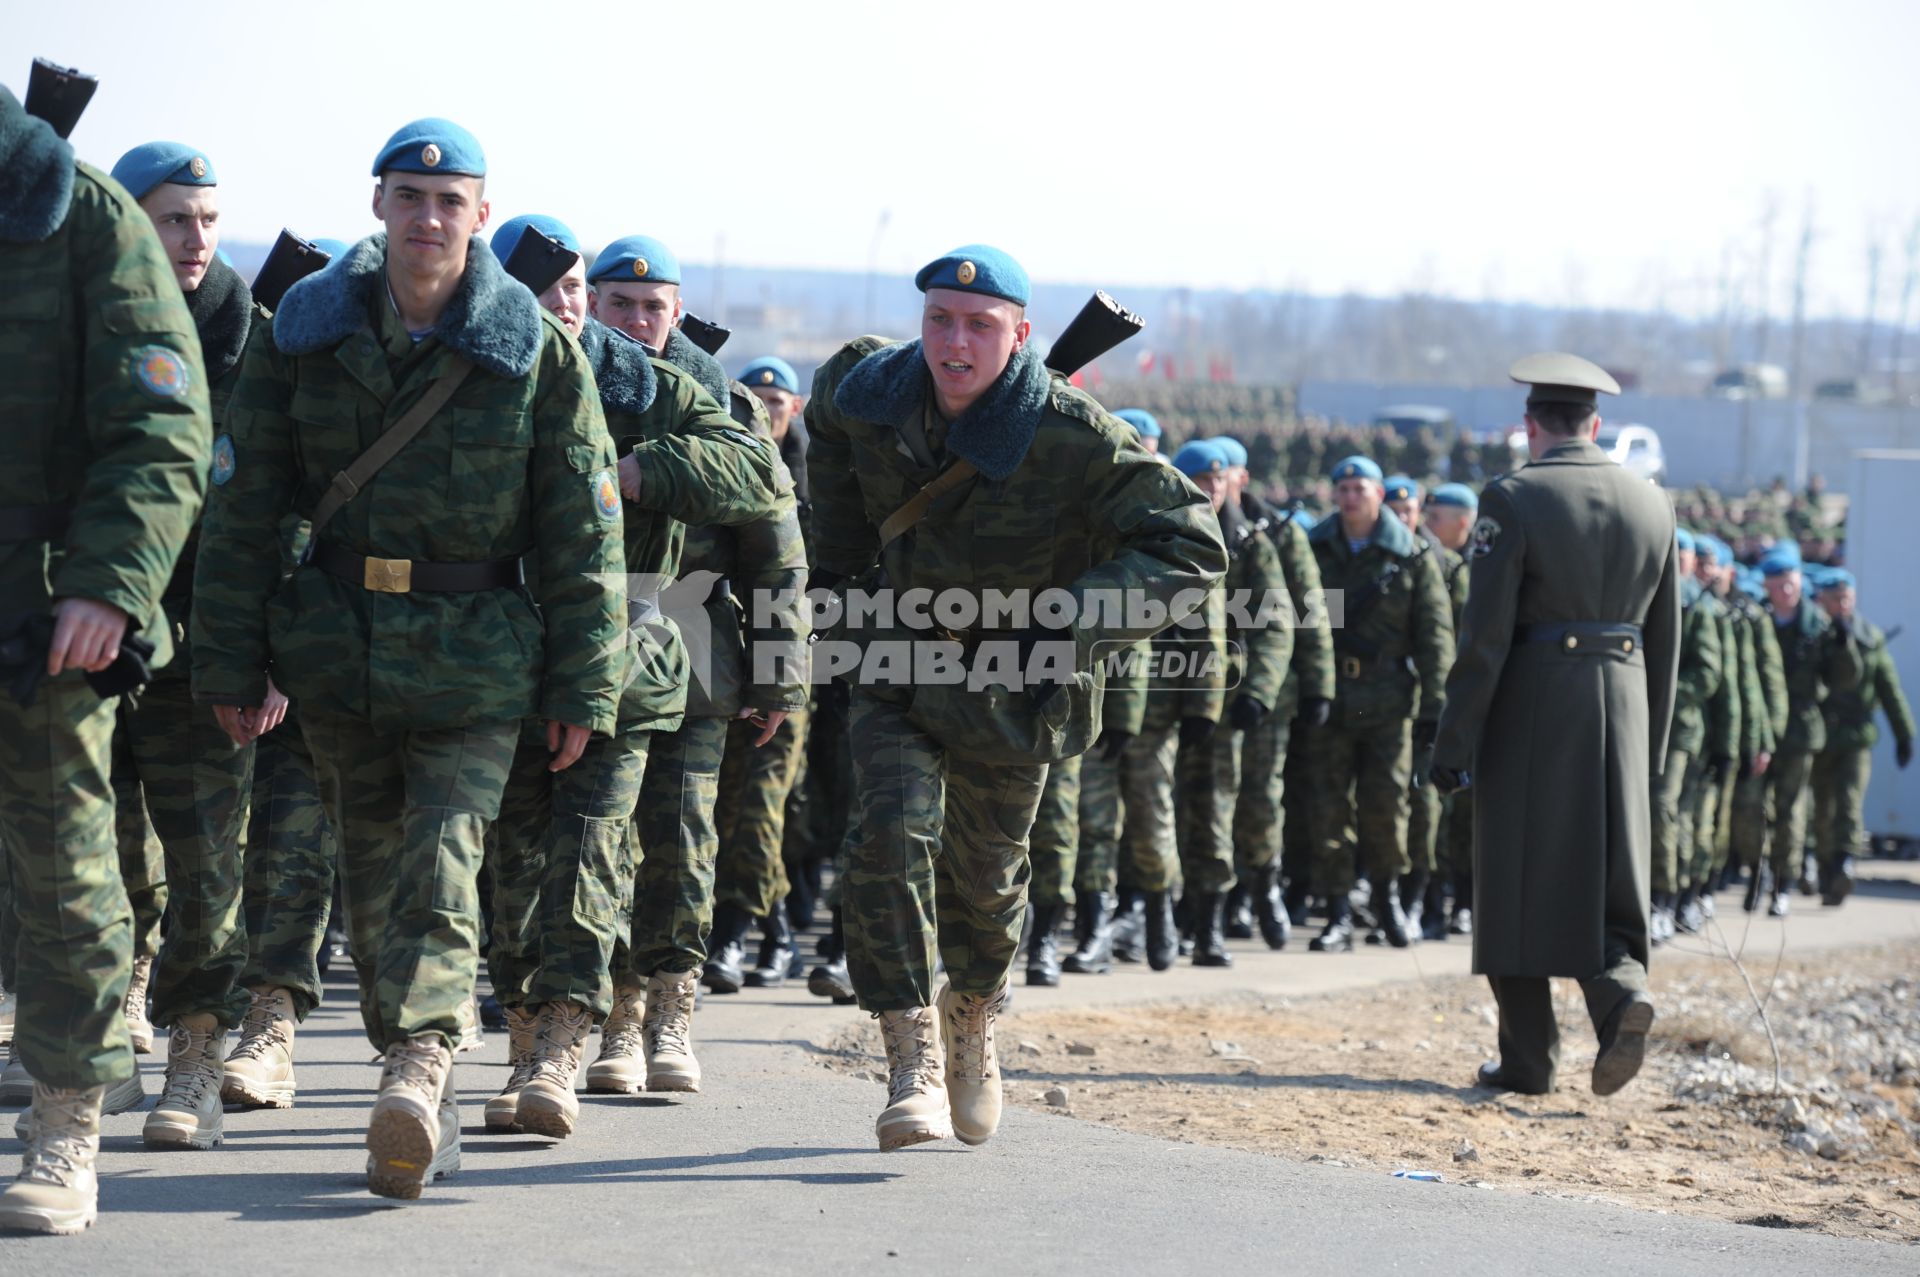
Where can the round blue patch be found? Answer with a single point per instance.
(606, 495)
(160, 372)
(224, 460)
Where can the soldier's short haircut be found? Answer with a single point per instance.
(1560, 418)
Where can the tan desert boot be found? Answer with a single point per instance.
(259, 1070)
(668, 1032)
(503, 1109)
(135, 1007)
(121, 1097)
(621, 1066)
(973, 1066)
(56, 1190)
(916, 1088)
(403, 1134)
(548, 1105)
(189, 1115)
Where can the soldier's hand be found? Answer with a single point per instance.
(1246, 713)
(1112, 743)
(1761, 761)
(1316, 710)
(1449, 780)
(768, 721)
(566, 743)
(86, 636)
(1902, 754)
(1195, 731)
(272, 711)
(629, 469)
(233, 721)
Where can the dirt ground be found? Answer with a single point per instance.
(1382, 1079)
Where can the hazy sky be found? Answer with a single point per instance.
(1569, 154)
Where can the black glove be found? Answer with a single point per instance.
(1315, 711)
(132, 669)
(824, 579)
(1195, 731)
(1029, 639)
(834, 696)
(1111, 743)
(1246, 713)
(24, 640)
(1746, 767)
(1902, 753)
(1449, 780)
(1424, 734)
(1843, 626)
(1720, 768)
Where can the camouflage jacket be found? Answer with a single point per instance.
(519, 463)
(1395, 645)
(1763, 697)
(1701, 668)
(1725, 725)
(1849, 713)
(1065, 498)
(1310, 671)
(104, 390)
(1816, 659)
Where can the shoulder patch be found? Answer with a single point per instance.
(606, 495)
(225, 461)
(160, 372)
(1485, 533)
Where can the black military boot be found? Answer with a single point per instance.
(1209, 946)
(1129, 929)
(1298, 898)
(1183, 920)
(776, 951)
(1043, 954)
(1275, 927)
(1387, 911)
(1239, 914)
(1433, 910)
(1759, 887)
(1687, 915)
(1338, 936)
(1093, 932)
(726, 949)
(1837, 882)
(1413, 896)
(1162, 937)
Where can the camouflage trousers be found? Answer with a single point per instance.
(1839, 783)
(750, 872)
(678, 845)
(1672, 821)
(143, 864)
(289, 869)
(1296, 818)
(74, 951)
(821, 809)
(411, 810)
(1751, 818)
(1787, 777)
(1701, 802)
(559, 858)
(1208, 779)
(196, 783)
(1127, 825)
(1055, 842)
(939, 861)
(1360, 777)
(1259, 813)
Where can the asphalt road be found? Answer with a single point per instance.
(773, 1168)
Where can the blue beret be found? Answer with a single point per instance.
(1837, 579)
(1458, 495)
(1815, 575)
(976, 268)
(641, 258)
(1141, 420)
(432, 145)
(1357, 468)
(507, 238)
(1401, 488)
(1232, 449)
(146, 166)
(1748, 582)
(335, 249)
(1784, 557)
(1684, 539)
(1198, 456)
(771, 370)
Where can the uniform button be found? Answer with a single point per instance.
(1572, 642)
(1629, 647)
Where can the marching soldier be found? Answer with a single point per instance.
(1449, 516)
(1841, 770)
(1676, 782)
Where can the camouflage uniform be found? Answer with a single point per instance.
(1817, 659)
(290, 868)
(1425, 806)
(104, 468)
(946, 779)
(1393, 653)
(143, 865)
(412, 732)
(1103, 800)
(1674, 787)
(1763, 714)
(1841, 770)
(1722, 751)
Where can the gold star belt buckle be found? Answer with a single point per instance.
(388, 576)
(1350, 667)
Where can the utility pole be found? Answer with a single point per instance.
(1874, 247)
(1799, 338)
(1906, 306)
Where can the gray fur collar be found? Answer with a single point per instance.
(890, 386)
(698, 364)
(222, 311)
(621, 367)
(36, 174)
(492, 320)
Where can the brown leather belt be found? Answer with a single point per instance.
(35, 522)
(404, 576)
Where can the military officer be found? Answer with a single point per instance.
(1557, 707)
(959, 463)
(406, 634)
(102, 472)
(1393, 649)
(1842, 768)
